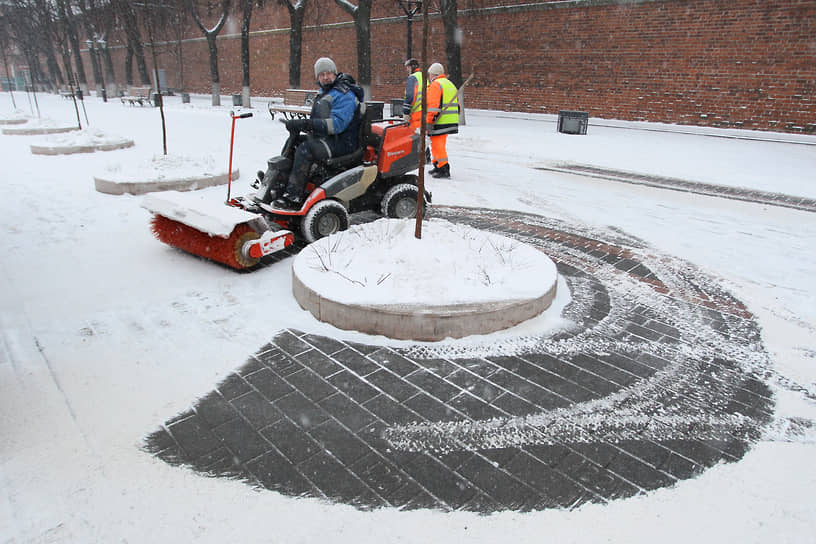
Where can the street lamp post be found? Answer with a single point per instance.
(411, 8)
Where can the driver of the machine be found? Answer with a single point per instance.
(332, 130)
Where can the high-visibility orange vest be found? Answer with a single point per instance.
(443, 107)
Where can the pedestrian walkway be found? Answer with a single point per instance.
(696, 187)
(765, 167)
(660, 376)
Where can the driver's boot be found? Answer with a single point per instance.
(293, 199)
(272, 182)
(269, 186)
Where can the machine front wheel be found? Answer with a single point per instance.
(324, 218)
(400, 201)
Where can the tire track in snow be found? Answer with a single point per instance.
(691, 398)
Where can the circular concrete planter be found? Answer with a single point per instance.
(114, 187)
(35, 131)
(425, 322)
(71, 149)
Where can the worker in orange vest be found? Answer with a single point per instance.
(412, 104)
(442, 118)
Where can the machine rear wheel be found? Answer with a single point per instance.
(324, 218)
(400, 201)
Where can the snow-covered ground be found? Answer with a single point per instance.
(106, 332)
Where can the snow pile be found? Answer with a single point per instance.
(82, 138)
(45, 123)
(164, 167)
(383, 262)
(17, 115)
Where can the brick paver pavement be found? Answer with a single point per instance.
(660, 375)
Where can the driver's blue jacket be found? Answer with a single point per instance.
(336, 115)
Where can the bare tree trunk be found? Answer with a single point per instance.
(134, 41)
(362, 25)
(245, 53)
(8, 76)
(67, 65)
(453, 47)
(129, 65)
(216, 81)
(423, 126)
(158, 97)
(95, 65)
(211, 35)
(91, 35)
(54, 44)
(180, 65)
(73, 40)
(110, 75)
(38, 79)
(51, 65)
(104, 21)
(296, 12)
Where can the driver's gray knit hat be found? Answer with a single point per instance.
(324, 64)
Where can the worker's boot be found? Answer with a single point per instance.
(442, 171)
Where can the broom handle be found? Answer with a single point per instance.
(232, 139)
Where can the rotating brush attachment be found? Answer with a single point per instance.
(223, 250)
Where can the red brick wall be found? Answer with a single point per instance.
(735, 63)
(741, 63)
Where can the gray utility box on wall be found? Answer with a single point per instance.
(573, 122)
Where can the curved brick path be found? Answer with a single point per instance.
(658, 378)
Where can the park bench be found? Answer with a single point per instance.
(66, 92)
(297, 103)
(137, 95)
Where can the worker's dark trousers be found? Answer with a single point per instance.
(311, 150)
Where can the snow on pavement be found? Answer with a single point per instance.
(106, 332)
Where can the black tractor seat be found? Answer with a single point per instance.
(344, 162)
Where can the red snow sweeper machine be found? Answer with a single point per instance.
(239, 234)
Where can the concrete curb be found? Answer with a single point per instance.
(71, 149)
(422, 323)
(23, 131)
(114, 187)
